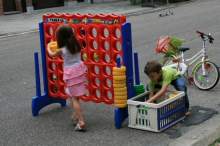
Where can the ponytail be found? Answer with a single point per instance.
(73, 45)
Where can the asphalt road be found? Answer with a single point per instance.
(53, 127)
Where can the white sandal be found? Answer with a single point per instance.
(80, 128)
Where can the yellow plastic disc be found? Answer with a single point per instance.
(53, 46)
(124, 89)
(120, 93)
(119, 85)
(119, 78)
(119, 82)
(121, 97)
(171, 95)
(120, 101)
(118, 73)
(120, 105)
(120, 69)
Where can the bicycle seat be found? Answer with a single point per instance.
(181, 48)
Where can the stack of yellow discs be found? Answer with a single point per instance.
(119, 85)
(53, 46)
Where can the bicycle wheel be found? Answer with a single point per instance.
(167, 61)
(208, 81)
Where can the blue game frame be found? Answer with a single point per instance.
(40, 101)
(122, 113)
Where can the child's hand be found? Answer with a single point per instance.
(148, 101)
(55, 53)
(48, 50)
(138, 106)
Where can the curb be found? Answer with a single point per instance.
(208, 139)
(203, 135)
(5, 35)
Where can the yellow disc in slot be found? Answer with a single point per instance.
(120, 105)
(120, 101)
(120, 93)
(123, 89)
(119, 78)
(121, 97)
(119, 85)
(118, 73)
(119, 69)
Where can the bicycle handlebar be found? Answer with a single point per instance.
(207, 35)
(199, 32)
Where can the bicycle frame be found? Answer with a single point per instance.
(186, 63)
(205, 74)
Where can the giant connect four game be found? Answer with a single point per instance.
(104, 39)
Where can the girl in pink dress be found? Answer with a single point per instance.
(73, 68)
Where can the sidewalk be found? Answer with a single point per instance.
(27, 22)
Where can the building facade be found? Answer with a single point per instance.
(20, 6)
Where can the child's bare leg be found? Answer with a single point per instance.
(73, 117)
(78, 110)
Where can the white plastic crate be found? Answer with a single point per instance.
(157, 116)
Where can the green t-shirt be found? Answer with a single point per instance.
(168, 75)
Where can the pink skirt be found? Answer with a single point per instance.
(76, 90)
(74, 76)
